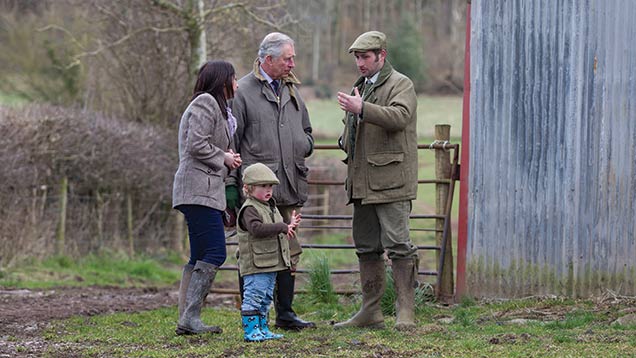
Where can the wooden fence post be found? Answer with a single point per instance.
(100, 220)
(129, 222)
(60, 238)
(443, 171)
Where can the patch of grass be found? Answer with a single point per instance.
(320, 286)
(464, 317)
(103, 269)
(151, 334)
(561, 337)
(467, 301)
(11, 99)
(573, 320)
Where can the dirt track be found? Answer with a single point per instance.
(25, 314)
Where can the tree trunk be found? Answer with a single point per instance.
(315, 65)
(196, 37)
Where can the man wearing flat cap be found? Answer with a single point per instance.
(380, 139)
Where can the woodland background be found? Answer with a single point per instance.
(91, 93)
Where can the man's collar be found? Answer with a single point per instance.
(373, 78)
(291, 78)
(264, 74)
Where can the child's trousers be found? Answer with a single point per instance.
(258, 292)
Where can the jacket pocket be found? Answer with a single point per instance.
(265, 252)
(386, 170)
(204, 180)
(302, 189)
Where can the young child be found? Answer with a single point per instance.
(264, 249)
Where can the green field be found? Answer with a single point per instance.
(326, 116)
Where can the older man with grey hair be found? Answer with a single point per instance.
(274, 129)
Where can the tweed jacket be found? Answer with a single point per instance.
(262, 254)
(382, 152)
(274, 130)
(204, 138)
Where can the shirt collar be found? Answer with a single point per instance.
(374, 78)
(265, 75)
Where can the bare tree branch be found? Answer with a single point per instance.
(111, 15)
(255, 17)
(103, 47)
(166, 5)
(64, 30)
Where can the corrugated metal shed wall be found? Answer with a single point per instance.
(552, 149)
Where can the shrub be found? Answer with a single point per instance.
(106, 161)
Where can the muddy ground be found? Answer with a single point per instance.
(25, 314)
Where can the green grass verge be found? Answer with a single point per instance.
(8, 99)
(103, 269)
(476, 330)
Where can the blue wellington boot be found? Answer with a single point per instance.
(251, 327)
(265, 329)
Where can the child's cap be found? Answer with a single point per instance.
(259, 174)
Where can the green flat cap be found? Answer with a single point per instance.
(371, 40)
(259, 174)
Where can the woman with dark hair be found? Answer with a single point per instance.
(205, 158)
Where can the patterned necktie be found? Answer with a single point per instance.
(275, 86)
(354, 122)
(367, 88)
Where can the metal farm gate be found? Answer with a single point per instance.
(447, 172)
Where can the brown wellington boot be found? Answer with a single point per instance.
(404, 280)
(183, 286)
(190, 322)
(373, 280)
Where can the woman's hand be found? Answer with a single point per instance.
(232, 160)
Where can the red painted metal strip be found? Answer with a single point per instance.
(462, 230)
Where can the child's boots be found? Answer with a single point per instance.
(265, 328)
(251, 327)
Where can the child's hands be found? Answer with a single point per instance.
(293, 224)
(232, 160)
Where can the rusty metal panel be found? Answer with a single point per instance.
(552, 148)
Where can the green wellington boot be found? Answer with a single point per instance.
(373, 280)
(200, 282)
(404, 272)
(183, 286)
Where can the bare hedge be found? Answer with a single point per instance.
(119, 185)
(106, 161)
